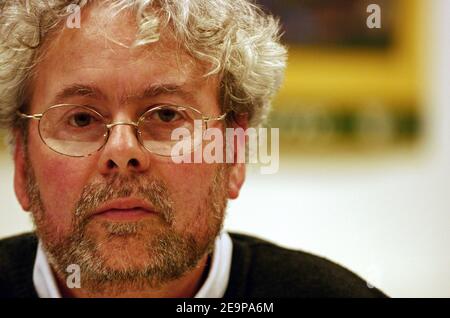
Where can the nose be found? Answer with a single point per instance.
(123, 152)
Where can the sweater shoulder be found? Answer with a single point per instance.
(274, 271)
(15, 247)
(17, 255)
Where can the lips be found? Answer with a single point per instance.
(125, 209)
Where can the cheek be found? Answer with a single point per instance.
(189, 185)
(61, 180)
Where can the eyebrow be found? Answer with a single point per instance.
(154, 90)
(79, 90)
(151, 91)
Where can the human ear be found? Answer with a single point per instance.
(236, 179)
(20, 175)
(237, 169)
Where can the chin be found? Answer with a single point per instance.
(124, 245)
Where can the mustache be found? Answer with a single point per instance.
(119, 186)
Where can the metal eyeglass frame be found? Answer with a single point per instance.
(39, 116)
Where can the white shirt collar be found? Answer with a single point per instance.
(214, 286)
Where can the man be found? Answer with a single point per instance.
(92, 108)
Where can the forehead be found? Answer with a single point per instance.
(101, 54)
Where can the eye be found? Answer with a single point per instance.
(167, 115)
(81, 119)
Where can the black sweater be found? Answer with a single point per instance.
(258, 269)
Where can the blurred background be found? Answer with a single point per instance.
(364, 119)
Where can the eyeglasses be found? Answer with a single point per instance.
(80, 131)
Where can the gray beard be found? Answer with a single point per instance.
(166, 255)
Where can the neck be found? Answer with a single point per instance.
(185, 287)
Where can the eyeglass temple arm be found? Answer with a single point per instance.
(32, 116)
(221, 117)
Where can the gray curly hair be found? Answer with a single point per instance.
(238, 40)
